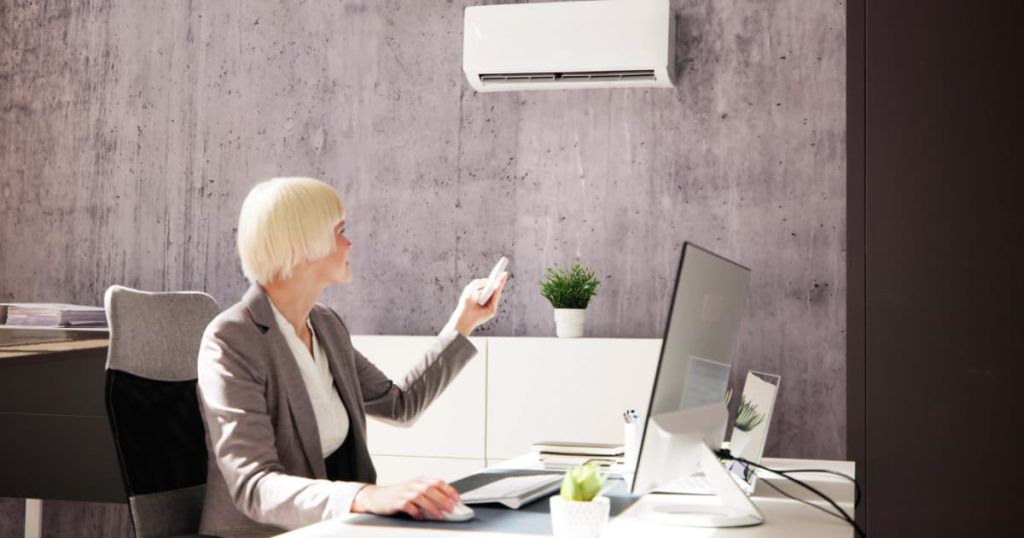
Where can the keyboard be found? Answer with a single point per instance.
(513, 491)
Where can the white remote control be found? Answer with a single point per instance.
(492, 281)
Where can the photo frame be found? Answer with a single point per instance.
(753, 418)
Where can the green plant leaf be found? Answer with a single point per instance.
(582, 483)
(747, 415)
(569, 288)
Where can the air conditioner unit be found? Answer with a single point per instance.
(562, 45)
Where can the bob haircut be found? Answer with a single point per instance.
(285, 221)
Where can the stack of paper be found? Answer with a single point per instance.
(566, 455)
(55, 315)
(562, 462)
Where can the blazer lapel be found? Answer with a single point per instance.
(299, 405)
(334, 348)
(341, 361)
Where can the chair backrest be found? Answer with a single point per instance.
(152, 405)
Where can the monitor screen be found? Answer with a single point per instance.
(707, 304)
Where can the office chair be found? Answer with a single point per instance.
(152, 405)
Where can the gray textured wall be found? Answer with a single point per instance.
(131, 131)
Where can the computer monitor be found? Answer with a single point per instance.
(687, 417)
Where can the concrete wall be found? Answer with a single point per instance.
(131, 131)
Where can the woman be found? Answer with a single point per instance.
(283, 393)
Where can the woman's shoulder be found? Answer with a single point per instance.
(235, 324)
(233, 340)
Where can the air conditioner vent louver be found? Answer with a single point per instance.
(576, 76)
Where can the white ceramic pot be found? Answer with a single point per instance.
(569, 322)
(577, 519)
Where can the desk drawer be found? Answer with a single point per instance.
(59, 457)
(64, 383)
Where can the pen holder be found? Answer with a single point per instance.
(631, 445)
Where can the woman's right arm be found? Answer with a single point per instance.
(233, 399)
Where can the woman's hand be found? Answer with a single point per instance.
(469, 315)
(418, 498)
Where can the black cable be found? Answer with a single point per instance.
(726, 454)
(805, 501)
(856, 486)
(812, 489)
(782, 473)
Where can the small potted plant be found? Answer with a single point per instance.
(569, 291)
(579, 510)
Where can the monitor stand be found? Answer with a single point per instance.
(736, 509)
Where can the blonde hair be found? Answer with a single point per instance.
(285, 221)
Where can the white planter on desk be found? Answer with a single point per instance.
(569, 322)
(578, 519)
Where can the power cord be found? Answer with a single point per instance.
(805, 501)
(856, 486)
(725, 454)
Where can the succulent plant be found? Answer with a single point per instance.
(747, 416)
(582, 483)
(569, 288)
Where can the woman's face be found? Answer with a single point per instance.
(334, 267)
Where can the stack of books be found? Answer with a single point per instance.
(566, 455)
(54, 315)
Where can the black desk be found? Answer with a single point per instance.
(55, 441)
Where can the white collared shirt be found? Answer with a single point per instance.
(328, 409)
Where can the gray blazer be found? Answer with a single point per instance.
(266, 471)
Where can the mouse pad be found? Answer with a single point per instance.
(533, 518)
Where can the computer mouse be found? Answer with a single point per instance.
(459, 513)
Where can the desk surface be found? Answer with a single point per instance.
(45, 348)
(784, 518)
(29, 341)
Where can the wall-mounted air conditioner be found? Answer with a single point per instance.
(561, 45)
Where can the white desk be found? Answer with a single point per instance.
(784, 518)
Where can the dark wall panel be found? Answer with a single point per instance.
(855, 256)
(943, 233)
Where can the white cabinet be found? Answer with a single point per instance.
(394, 469)
(453, 425)
(564, 389)
(515, 392)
